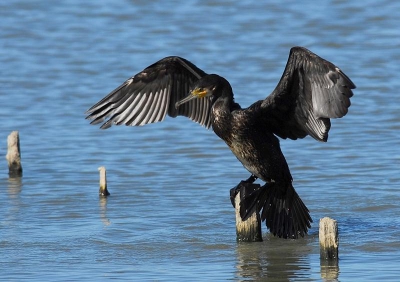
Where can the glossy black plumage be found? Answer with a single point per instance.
(309, 93)
(151, 94)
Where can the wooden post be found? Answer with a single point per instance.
(329, 248)
(248, 230)
(103, 182)
(13, 155)
(328, 239)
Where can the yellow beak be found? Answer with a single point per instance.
(199, 93)
(196, 93)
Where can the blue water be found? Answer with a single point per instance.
(169, 216)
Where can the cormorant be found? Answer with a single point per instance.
(309, 93)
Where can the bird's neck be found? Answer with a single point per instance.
(221, 116)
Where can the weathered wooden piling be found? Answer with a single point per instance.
(14, 155)
(103, 182)
(329, 248)
(328, 239)
(248, 230)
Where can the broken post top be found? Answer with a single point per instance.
(14, 155)
(328, 239)
(103, 182)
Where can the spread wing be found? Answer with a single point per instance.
(151, 94)
(310, 92)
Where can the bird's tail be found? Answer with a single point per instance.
(284, 212)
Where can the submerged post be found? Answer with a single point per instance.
(328, 239)
(103, 182)
(248, 230)
(13, 155)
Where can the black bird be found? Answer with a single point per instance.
(309, 93)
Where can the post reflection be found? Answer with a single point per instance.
(274, 259)
(329, 270)
(103, 211)
(14, 186)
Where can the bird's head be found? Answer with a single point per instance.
(211, 85)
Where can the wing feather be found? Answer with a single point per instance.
(150, 95)
(310, 92)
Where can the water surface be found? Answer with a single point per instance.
(169, 216)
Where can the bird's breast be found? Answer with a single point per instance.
(253, 145)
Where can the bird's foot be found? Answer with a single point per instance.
(251, 179)
(233, 192)
(248, 183)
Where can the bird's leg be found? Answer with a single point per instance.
(251, 179)
(235, 190)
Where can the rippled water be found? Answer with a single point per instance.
(169, 217)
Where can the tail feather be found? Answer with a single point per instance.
(284, 212)
(249, 198)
